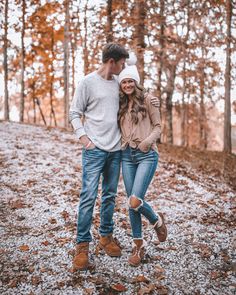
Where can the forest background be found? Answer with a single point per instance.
(186, 55)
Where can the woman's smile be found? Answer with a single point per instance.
(128, 86)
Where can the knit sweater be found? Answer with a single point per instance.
(94, 109)
(146, 132)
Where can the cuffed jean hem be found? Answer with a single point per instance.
(105, 234)
(78, 241)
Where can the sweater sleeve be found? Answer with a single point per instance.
(154, 114)
(78, 107)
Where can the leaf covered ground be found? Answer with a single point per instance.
(40, 179)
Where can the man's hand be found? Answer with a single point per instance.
(155, 101)
(86, 142)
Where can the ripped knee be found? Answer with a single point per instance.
(135, 203)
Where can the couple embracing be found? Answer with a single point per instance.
(118, 124)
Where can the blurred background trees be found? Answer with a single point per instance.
(186, 56)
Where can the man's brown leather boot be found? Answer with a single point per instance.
(80, 261)
(110, 246)
(137, 253)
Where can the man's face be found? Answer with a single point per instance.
(118, 66)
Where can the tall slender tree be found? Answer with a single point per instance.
(66, 64)
(184, 109)
(227, 113)
(161, 42)
(139, 35)
(5, 63)
(85, 47)
(22, 97)
(109, 21)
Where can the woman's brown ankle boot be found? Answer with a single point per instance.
(137, 252)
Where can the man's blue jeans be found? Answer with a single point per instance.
(97, 162)
(138, 169)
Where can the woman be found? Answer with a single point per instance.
(139, 122)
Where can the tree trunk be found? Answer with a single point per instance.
(85, 49)
(139, 34)
(52, 79)
(203, 120)
(34, 101)
(66, 65)
(183, 107)
(183, 110)
(187, 121)
(22, 97)
(109, 21)
(74, 45)
(227, 113)
(5, 64)
(169, 93)
(161, 42)
(41, 111)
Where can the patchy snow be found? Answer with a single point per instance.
(40, 179)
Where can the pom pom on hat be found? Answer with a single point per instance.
(130, 71)
(132, 59)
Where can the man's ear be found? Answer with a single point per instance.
(111, 61)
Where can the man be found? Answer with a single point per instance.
(97, 100)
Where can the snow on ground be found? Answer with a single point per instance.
(40, 178)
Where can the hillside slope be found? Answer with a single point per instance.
(40, 178)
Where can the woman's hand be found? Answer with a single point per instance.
(144, 146)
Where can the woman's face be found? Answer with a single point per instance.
(127, 86)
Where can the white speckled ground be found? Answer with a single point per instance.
(40, 178)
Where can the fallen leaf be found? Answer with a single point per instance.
(13, 283)
(89, 291)
(140, 278)
(65, 214)
(24, 248)
(17, 204)
(52, 220)
(215, 275)
(36, 280)
(146, 290)
(31, 269)
(97, 280)
(45, 243)
(162, 290)
(156, 257)
(118, 287)
(63, 240)
(159, 269)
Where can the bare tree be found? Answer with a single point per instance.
(139, 34)
(227, 113)
(5, 64)
(169, 90)
(22, 97)
(66, 64)
(85, 48)
(202, 118)
(183, 111)
(161, 42)
(109, 21)
(51, 92)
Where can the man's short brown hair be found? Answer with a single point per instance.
(115, 51)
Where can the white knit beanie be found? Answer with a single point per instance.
(130, 71)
